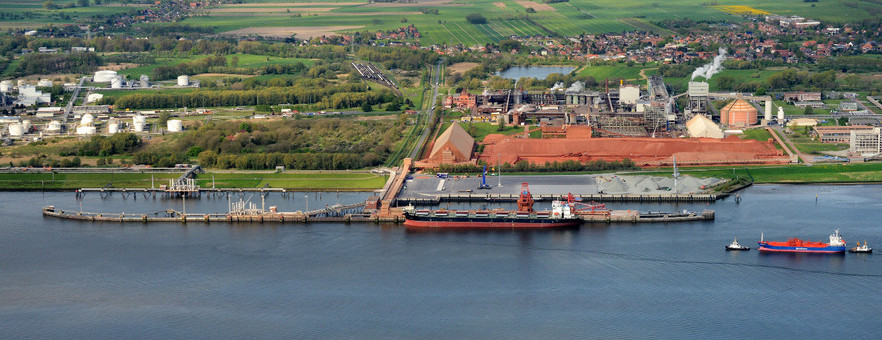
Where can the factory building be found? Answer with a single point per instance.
(866, 142)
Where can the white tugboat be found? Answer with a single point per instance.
(735, 246)
(861, 248)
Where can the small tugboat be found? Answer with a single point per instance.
(861, 248)
(735, 246)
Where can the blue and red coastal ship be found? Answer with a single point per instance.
(795, 245)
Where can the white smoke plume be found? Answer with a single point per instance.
(576, 87)
(707, 71)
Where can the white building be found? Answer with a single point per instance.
(866, 142)
(28, 95)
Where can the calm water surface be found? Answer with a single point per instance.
(538, 72)
(64, 279)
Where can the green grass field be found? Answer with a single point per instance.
(296, 181)
(612, 72)
(818, 173)
(63, 181)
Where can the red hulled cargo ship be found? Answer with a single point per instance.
(795, 245)
(560, 215)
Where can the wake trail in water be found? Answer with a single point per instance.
(672, 261)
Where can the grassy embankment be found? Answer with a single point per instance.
(818, 173)
(321, 181)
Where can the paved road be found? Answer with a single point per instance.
(808, 159)
(427, 186)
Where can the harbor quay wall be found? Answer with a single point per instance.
(613, 217)
(547, 197)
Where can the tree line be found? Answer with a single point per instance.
(329, 97)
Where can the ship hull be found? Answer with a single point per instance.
(789, 249)
(491, 223)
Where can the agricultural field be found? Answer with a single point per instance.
(505, 18)
(32, 14)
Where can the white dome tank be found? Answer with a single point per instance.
(175, 125)
(86, 130)
(16, 130)
(87, 119)
(183, 80)
(138, 123)
(54, 127)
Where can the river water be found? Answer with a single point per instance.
(65, 279)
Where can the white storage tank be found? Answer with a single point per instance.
(94, 97)
(44, 83)
(184, 80)
(86, 130)
(113, 126)
(6, 85)
(87, 119)
(26, 125)
(116, 83)
(54, 127)
(138, 123)
(104, 76)
(175, 125)
(16, 130)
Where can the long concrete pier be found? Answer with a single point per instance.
(172, 216)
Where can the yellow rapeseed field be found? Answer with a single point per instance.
(741, 10)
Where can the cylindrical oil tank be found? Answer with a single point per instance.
(26, 125)
(175, 125)
(113, 126)
(86, 130)
(16, 130)
(183, 80)
(138, 123)
(116, 83)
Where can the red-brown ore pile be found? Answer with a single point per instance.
(643, 151)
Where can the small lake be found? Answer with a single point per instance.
(538, 72)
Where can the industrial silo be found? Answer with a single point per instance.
(175, 125)
(138, 123)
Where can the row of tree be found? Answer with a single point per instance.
(330, 97)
